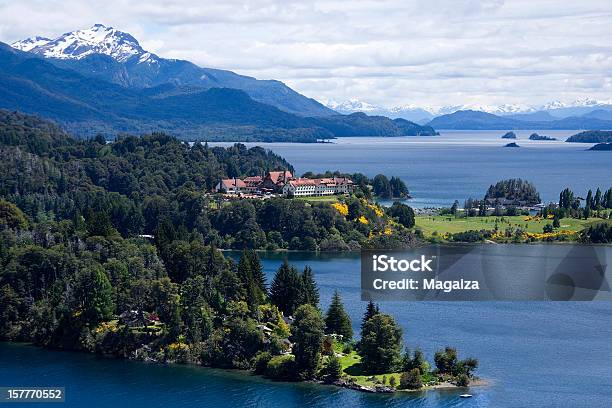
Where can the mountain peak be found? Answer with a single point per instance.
(98, 39)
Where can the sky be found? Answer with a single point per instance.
(386, 52)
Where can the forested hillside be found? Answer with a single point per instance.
(137, 185)
(111, 247)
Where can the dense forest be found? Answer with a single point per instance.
(111, 248)
(157, 185)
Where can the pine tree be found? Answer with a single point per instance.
(251, 277)
(307, 335)
(608, 198)
(332, 371)
(371, 311)
(337, 320)
(597, 201)
(589, 201)
(286, 289)
(310, 291)
(380, 345)
(257, 272)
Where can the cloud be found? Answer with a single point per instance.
(388, 52)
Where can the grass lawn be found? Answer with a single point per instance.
(448, 224)
(351, 366)
(319, 199)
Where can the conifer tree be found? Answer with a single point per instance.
(310, 291)
(597, 201)
(251, 277)
(337, 320)
(286, 289)
(257, 271)
(307, 335)
(589, 204)
(371, 311)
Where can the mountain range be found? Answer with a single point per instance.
(101, 80)
(548, 112)
(477, 120)
(115, 56)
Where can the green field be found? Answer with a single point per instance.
(449, 224)
(319, 199)
(351, 366)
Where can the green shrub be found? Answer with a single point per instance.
(411, 380)
(463, 380)
(332, 370)
(260, 362)
(281, 367)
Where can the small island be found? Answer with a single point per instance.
(535, 136)
(591, 136)
(513, 144)
(509, 135)
(602, 147)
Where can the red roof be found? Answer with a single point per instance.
(278, 176)
(233, 183)
(303, 182)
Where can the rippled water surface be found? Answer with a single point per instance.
(460, 164)
(535, 354)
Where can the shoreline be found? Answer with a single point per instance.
(341, 383)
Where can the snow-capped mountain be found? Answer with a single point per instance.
(30, 43)
(556, 108)
(352, 105)
(99, 39)
(408, 112)
(115, 56)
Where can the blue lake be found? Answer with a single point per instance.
(536, 354)
(458, 164)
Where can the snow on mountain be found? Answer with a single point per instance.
(352, 105)
(409, 112)
(99, 39)
(30, 43)
(355, 105)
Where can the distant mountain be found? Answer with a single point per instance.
(539, 116)
(476, 120)
(473, 120)
(86, 106)
(360, 124)
(114, 56)
(408, 112)
(599, 114)
(422, 114)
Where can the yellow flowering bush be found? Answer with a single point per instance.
(341, 208)
(107, 327)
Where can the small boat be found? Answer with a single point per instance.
(465, 396)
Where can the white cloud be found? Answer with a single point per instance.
(385, 52)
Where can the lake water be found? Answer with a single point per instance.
(535, 354)
(458, 164)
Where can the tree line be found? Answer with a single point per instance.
(158, 185)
